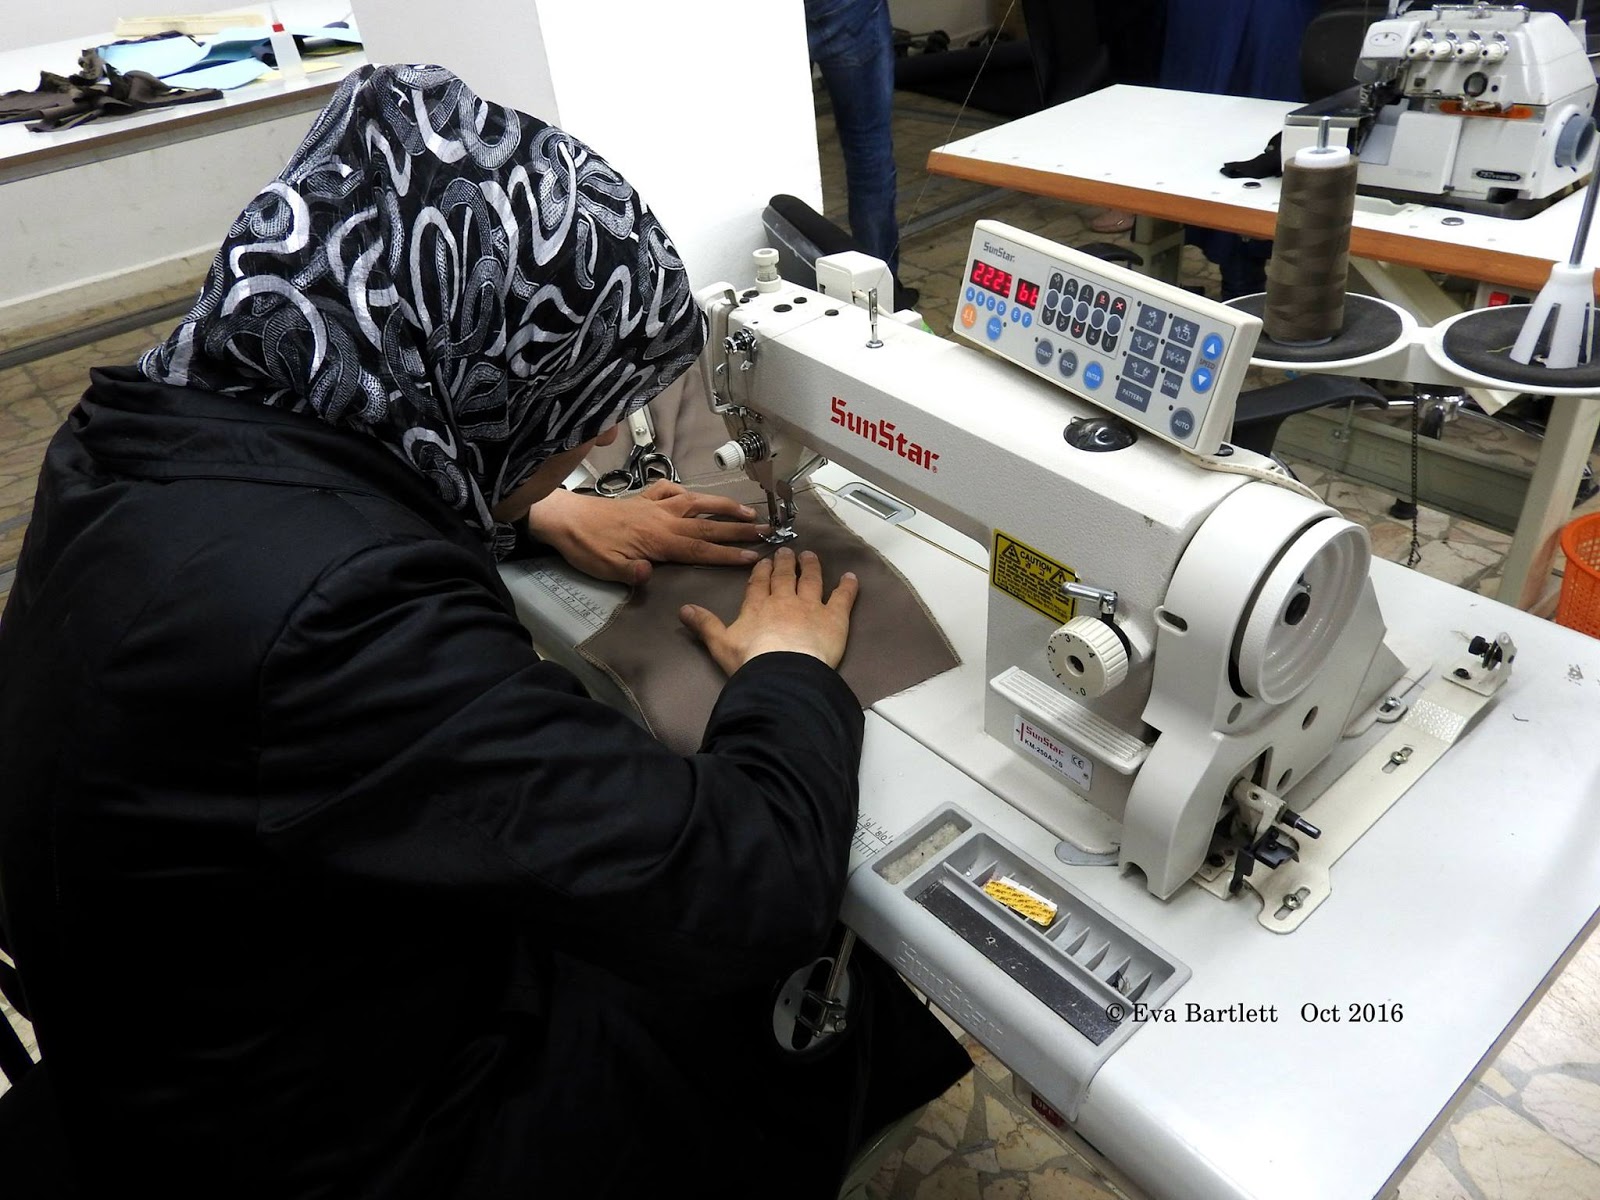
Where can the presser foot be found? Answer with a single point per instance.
(780, 517)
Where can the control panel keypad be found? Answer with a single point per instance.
(1129, 344)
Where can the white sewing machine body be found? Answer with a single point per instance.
(1138, 1021)
(1244, 634)
(1476, 106)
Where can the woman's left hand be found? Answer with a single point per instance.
(618, 538)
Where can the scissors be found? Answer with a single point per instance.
(645, 463)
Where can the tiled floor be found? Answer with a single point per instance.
(1530, 1129)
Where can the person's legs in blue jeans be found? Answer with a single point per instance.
(852, 42)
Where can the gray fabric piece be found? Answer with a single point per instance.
(894, 643)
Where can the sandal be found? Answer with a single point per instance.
(1111, 221)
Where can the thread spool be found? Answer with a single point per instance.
(1311, 247)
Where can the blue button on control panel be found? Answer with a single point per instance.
(1201, 379)
(995, 326)
(1092, 375)
(1027, 319)
(1211, 348)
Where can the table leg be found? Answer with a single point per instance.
(1160, 244)
(1568, 442)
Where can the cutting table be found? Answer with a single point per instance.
(1317, 1064)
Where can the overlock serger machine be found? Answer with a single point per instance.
(1178, 632)
(1483, 107)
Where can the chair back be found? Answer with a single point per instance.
(1331, 45)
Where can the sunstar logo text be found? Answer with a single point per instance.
(886, 435)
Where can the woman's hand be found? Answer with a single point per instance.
(781, 611)
(618, 538)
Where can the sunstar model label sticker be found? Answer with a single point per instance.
(1053, 753)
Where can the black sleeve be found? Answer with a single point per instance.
(526, 546)
(411, 738)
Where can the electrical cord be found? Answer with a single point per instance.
(1276, 478)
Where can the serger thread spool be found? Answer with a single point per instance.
(1311, 246)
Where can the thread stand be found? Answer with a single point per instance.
(1371, 327)
(1477, 346)
(1560, 325)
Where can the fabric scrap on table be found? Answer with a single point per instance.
(97, 90)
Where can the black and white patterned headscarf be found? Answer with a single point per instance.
(473, 287)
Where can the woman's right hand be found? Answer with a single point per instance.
(783, 609)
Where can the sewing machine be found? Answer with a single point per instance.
(1177, 633)
(1482, 107)
(1194, 1038)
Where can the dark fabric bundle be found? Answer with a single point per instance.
(1268, 163)
(97, 90)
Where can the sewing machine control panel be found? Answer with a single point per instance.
(1163, 358)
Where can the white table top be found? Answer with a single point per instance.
(24, 153)
(1459, 905)
(1160, 152)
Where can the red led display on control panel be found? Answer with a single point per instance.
(991, 278)
(1027, 294)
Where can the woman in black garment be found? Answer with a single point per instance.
(319, 881)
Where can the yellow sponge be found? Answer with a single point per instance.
(1021, 899)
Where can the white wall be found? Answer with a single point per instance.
(117, 229)
(704, 105)
(708, 110)
(97, 232)
(29, 24)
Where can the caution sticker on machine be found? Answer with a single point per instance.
(1024, 574)
(1054, 753)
